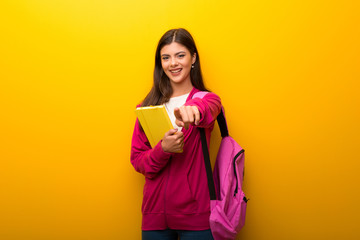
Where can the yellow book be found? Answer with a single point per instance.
(155, 121)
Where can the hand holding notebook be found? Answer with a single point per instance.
(173, 141)
(156, 123)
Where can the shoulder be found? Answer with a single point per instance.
(195, 93)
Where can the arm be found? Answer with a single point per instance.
(199, 111)
(146, 160)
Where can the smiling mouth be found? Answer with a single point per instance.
(176, 71)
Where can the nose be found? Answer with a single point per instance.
(173, 62)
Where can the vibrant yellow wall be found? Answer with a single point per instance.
(72, 71)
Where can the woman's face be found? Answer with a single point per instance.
(176, 61)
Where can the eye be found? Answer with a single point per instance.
(165, 58)
(181, 55)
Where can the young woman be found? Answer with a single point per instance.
(176, 201)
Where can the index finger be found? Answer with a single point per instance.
(177, 113)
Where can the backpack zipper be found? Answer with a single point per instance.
(234, 165)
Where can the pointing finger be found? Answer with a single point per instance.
(177, 114)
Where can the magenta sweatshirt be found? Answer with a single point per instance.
(176, 193)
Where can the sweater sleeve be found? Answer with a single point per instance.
(209, 107)
(146, 160)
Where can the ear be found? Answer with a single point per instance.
(193, 60)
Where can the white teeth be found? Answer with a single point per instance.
(176, 71)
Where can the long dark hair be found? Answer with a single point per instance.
(161, 90)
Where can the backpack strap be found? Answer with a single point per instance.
(207, 162)
(221, 120)
(224, 132)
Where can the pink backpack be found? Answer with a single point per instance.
(227, 200)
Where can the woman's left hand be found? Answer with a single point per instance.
(186, 115)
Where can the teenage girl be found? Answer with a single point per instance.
(176, 201)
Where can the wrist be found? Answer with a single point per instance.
(163, 147)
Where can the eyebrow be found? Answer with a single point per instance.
(175, 53)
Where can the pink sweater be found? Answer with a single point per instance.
(176, 193)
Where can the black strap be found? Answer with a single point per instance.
(207, 162)
(224, 133)
(222, 124)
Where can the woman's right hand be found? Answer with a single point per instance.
(173, 141)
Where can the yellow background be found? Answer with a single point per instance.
(72, 72)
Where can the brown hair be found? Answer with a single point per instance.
(161, 90)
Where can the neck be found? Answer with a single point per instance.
(181, 88)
